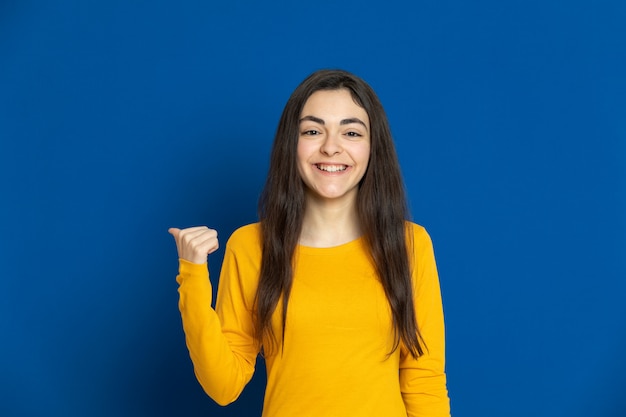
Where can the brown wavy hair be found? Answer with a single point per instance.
(381, 207)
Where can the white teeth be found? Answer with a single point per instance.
(332, 168)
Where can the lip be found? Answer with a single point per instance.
(316, 167)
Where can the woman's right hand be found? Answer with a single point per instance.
(194, 244)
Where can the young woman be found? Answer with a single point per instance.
(334, 285)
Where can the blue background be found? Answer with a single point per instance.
(119, 120)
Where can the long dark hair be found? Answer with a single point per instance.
(381, 207)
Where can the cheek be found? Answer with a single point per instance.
(300, 153)
(363, 154)
(304, 151)
(302, 156)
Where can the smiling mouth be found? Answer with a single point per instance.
(331, 168)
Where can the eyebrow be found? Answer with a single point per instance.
(342, 122)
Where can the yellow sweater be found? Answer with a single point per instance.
(338, 335)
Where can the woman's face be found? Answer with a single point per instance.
(333, 145)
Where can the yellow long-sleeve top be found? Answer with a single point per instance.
(338, 335)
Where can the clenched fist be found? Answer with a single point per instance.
(195, 243)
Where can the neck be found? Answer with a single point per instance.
(328, 223)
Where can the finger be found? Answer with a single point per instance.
(203, 241)
(194, 244)
(206, 243)
(215, 247)
(175, 232)
(193, 231)
(191, 236)
(209, 242)
(182, 235)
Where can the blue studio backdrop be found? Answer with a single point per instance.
(120, 119)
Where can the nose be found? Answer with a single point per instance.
(331, 145)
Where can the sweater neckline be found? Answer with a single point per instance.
(332, 250)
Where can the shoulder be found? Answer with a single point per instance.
(418, 240)
(246, 238)
(417, 233)
(249, 231)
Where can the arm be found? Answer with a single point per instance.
(221, 346)
(423, 380)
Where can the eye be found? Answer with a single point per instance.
(353, 134)
(310, 132)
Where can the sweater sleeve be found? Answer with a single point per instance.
(423, 380)
(220, 342)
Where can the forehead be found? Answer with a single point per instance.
(331, 104)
